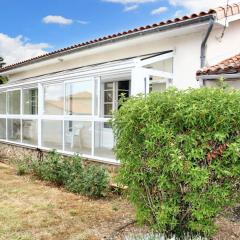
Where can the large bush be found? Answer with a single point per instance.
(180, 157)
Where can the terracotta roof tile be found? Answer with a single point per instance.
(219, 13)
(230, 65)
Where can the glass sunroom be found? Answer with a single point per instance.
(70, 111)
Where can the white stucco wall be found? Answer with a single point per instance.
(219, 49)
(185, 43)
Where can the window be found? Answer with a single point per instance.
(78, 137)
(3, 103)
(52, 134)
(30, 101)
(14, 101)
(2, 128)
(30, 132)
(112, 93)
(104, 142)
(14, 130)
(79, 98)
(157, 86)
(53, 99)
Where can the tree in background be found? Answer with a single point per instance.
(2, 78)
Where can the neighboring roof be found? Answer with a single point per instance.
(227, 66)
(219, 13)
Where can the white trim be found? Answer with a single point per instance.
(155, 59)
(217, 76)
(158, 73)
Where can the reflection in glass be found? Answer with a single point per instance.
(3, 103)
(30, 132)
(79, 98)
(52, 134)
(14, 130)
(14, 102)
(2, 128)
(53, 99)
(104, 142)
(30, 101)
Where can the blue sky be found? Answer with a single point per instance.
(29, 28)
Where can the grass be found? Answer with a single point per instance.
(32, 210)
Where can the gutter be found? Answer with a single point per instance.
(217, 76)
(113, 40)
(204, 42)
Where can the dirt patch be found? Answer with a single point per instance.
(29, 209)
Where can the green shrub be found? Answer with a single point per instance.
(180, 157)
(95, 181)
(22, 169)
(70, 172)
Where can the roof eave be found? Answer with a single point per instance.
(167, 27)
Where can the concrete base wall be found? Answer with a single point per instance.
(15, 153)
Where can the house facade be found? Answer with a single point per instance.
(64, 100)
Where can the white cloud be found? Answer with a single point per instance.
(131, 8)
(82, 22)
(199, 5)
(19, 48)
(57, 20)
(158, 11)
(129, 1)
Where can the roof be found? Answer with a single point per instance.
(218, 13)
(227, 66)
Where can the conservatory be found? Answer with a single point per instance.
(70, 110)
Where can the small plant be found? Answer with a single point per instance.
(68, 172)
(22, 169)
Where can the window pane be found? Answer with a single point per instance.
(52, 134)
(30, 101)
(3, 103)
(79, 98)
(2, 128)
(108, 110)
(14, 130)
(53, 99)
(103, 146)
(78, 137)
(157, 87)
(14, 102)
(29, 131)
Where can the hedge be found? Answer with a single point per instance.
(180, 157)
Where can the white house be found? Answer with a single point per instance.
(64, 99)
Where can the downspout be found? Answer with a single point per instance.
(204, 45)
(204, 42)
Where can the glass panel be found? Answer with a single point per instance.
(108, 110)
(54, 99)
(3, 103)
(78, 137)
(30, 101)
(52, 134)
(2, 128)
(14, 130)
(157, 87)
(104, 142)
(30, 132)
(79, 98)
(14, 102)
